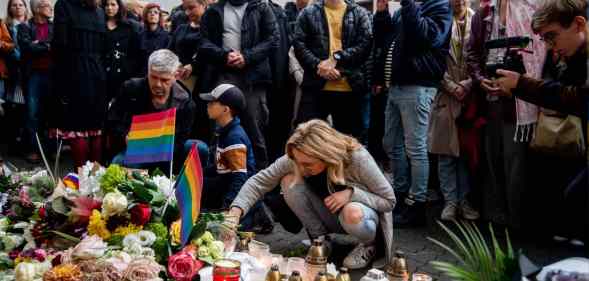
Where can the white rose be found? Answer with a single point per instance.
(92, 247)
(163, 185)
(42, 267)
(147, 252)
(120, 260)
(146, 238)
(134, 249)
(113, 203)
(130, 240)
(25, 271)
(11, 242)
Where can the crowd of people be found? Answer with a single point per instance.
(411, 92)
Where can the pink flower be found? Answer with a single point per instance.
(142, 269)
(40, 255)
(23, 197)
(183, 266)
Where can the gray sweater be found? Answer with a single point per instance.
(363, 175)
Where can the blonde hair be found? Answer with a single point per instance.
(319, 140)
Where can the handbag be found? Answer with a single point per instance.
(559, 135)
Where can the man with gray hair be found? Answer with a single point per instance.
(157, 92)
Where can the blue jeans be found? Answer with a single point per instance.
(37, 88)
(454, 181)
(405, 136)
(2, 90)
(203, 152)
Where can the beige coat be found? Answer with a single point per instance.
(442, 131)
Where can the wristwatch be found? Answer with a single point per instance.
(337, 56)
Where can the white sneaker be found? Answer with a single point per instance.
(360, 257)
(449, 212)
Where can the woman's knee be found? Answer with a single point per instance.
(352, 213)
(294, 193)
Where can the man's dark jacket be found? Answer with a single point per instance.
(135, 99)
(422, 33)
(311, 44)
(259, 38)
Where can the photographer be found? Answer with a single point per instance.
(510, 121)
(563, 26)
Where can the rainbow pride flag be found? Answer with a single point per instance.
(151, 138)
(188, 193)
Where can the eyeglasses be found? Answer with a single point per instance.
(550, 37)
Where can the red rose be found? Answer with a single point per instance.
(140, 214)
(42, 213)
(183, 266)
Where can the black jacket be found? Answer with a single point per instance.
(122, 58)
(311, 44)
(135, 99)
(185, 43)
(292, 12)
(259, 37)
(279, 58)
(150, 41)
(178, 17)
(78, 72)
(27, 33)
(423, 41)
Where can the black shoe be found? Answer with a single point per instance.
(400, 206)
(412, 216)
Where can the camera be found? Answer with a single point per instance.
(510, 60)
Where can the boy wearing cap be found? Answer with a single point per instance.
(234, 160)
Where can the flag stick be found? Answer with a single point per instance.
(57, 155)
(45, 158)
(171, 169)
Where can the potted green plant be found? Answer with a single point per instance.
(477, 260)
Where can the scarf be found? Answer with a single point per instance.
(519, 18)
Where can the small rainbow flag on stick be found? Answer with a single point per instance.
(151, 138)
(188, 193)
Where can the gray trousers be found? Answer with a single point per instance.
(255, 118)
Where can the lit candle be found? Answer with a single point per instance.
(421, 277)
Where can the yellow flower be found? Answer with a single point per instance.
(97, 226)
(20, 259)
(64, 272)
(175, 232)
(130, 229)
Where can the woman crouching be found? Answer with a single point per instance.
(333, 185)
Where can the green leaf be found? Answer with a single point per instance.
(143, 195)
(59, 206)
(158, 199)
(65, 236)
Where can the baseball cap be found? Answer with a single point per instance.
(228, 95)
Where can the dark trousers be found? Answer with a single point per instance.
(378, 104)
(255, 117)
(345, 109)
(217, 194)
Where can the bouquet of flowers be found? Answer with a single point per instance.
(100, 224)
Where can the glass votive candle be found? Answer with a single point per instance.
(278, 260)
(257, 249)
(421, 277)
(297, 264)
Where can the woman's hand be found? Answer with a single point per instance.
(232, 218)
(337, 200)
